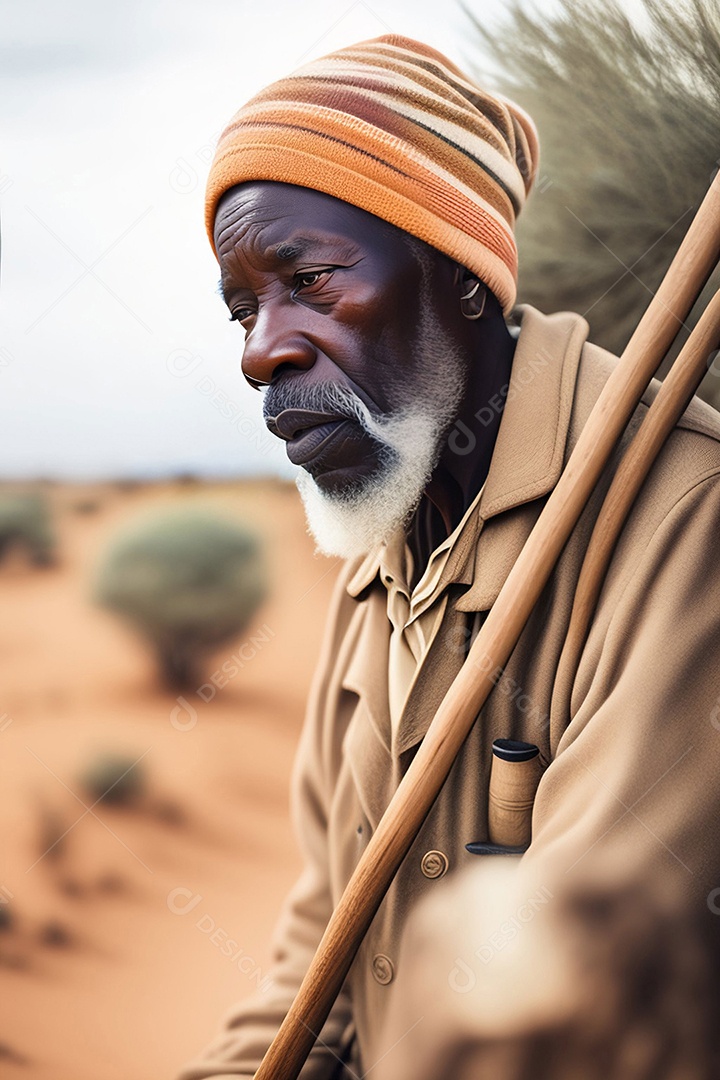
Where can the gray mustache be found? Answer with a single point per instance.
(321, 398)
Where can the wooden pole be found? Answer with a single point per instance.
(672, 399)
(492, 647)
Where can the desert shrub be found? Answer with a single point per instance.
(114, 779)
(188, 582)
(628, 111)
(25, 522)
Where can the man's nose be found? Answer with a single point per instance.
(274, 342)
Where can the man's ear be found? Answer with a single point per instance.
(473, 295)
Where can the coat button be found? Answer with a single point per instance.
(382, 969)
(434, 864)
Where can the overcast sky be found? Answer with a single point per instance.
(113, 341)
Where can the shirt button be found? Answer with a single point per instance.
(382, 969)
(434, 864)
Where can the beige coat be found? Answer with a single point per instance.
(631, 740)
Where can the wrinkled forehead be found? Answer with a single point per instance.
(280, 220)
(287, 220)
(274, 209)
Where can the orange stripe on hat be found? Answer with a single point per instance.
(393, 127)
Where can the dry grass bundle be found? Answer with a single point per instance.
(629, 117)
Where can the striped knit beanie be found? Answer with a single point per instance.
(393, 127)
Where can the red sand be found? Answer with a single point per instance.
(99, 978)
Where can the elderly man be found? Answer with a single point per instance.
(362, 212)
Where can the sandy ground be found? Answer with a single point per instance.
(113, 963)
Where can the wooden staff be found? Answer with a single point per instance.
(672, 399)
(493, 645)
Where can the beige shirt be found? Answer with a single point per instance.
(416, 614)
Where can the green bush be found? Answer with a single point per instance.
(25, 523)
(188, 581)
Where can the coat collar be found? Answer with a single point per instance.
(529, 451)
(530, 447)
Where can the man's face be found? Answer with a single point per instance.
(346, 321)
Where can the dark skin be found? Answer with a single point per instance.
(326, 292)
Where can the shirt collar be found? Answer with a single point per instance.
(447, 562)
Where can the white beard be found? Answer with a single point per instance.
(354, 523)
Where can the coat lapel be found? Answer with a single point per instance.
(530, 448)
(367, 670)
(433, 679)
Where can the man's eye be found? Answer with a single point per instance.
(241, 314)
(305, 280)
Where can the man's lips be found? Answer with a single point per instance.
(312, 443)
(308, 434)
(290, 423)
